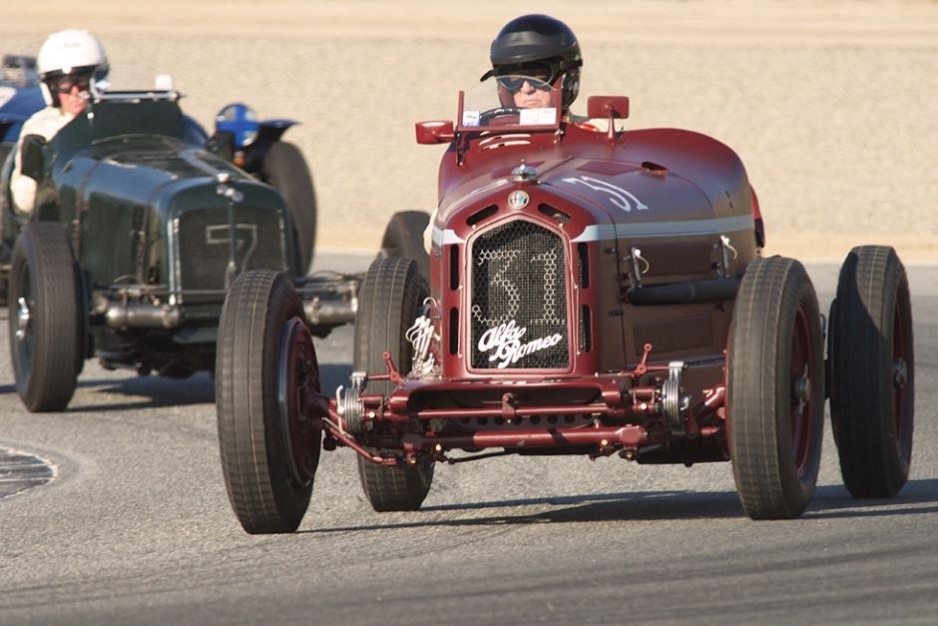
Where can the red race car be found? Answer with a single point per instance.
(592, 291)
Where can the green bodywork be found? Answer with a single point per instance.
(145, 215)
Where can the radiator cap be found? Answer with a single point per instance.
(524, 173)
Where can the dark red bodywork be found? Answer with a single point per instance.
(648, 233)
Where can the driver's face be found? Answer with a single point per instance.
(73, 102)
(73, 93)
(529, 97)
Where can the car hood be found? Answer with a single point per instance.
(660, 181)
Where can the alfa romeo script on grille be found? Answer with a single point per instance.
(505, 341)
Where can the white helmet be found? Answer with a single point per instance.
(70, 51)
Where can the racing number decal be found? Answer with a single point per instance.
(218, 235)
(548, 260)
(501, 280)
(620, 197)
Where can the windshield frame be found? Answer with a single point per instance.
(491, 83)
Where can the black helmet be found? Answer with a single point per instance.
(538, 41)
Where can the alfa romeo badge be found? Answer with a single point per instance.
(518, 199)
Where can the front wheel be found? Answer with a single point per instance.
(46, 317)
(391, 293)
(873, 373)
(775, 389)
(264, 365)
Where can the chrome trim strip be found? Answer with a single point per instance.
(173, 270)
(599, 232)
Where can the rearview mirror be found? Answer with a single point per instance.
(435, 132)
(33, 156)
(604, 106)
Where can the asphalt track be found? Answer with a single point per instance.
(135, 527)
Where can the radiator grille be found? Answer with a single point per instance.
(203, 240)
(518, 306)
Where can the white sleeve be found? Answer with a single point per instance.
(46, 123)
(22, 188)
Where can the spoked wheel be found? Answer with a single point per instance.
(775, 389)
(403, 237)
(286, 170)
(46, 317)
(269, 443)
(873, 373)
(391, 293)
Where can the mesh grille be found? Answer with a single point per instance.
(203, 246)
(519, 284)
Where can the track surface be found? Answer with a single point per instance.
(136, 527)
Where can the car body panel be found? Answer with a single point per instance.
(16, 105)
(102, 176)
(668, 193)
(582, 284)
(160, 227)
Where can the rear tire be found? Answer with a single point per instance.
(873, 373)
(775, 389)
(286, 170)
(403, 237)
(269, 453)
(46, 317)
(391, 294)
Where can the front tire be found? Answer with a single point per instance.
(873, 373)
(46, 317)
(391, 294)
(775, 389)
(269, 451)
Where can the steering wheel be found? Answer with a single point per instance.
(487, 117)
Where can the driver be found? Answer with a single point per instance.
(68, 62)
(545, 50)
(542, 48)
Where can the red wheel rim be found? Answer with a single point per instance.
(298, 375)
(902, 380)
(802, 374)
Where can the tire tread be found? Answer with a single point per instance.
(390, 295)
(58, 332)
(871, 284)
(263, 497)
(758, 378)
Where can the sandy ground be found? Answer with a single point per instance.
(833, 105)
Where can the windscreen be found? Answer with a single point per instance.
(520, 102)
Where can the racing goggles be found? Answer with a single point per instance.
(71, 81)
(512, 77)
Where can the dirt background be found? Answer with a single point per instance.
(833, 105)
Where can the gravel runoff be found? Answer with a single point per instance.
(831, 107)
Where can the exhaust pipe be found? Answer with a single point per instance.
(141, 315)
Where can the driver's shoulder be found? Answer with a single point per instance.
(45, 122)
